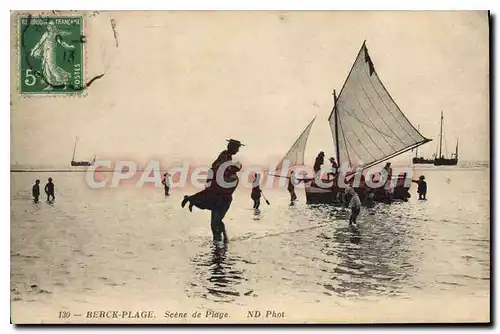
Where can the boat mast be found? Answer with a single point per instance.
(74, 149)
(416, 150)
(456, 150)
(337, 148)
(441, 136)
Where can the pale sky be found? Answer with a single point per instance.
(180, 83)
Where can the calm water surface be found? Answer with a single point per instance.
(126, 246)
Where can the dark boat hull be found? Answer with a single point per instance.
(81, 163)
(445, 162)
(422, 161)
(334, 195)
(317, 195)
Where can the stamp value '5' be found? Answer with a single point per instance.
(51, 54)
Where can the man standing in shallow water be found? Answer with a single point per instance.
(223, 196)
(217, 197)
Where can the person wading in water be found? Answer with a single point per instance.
(166, 184)
(422, 187)
(49, 190)
(217, 196)
(354, 205)
(256, 192)
(292, 182)
(36, 191)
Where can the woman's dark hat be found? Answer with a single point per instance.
(422, 177)
(234, 141)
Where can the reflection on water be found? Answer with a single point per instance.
(256, 214)
(101, 241)
(371, 259)
(217, 274)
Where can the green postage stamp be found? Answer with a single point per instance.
(51, 54)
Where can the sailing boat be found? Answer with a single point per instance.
(367, 128)
(80, 163)
(440, 159)
(421, 160)
(295, 155)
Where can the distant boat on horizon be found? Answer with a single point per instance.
(440, 160)
(421, 160)
(80, 163)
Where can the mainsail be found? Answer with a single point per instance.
(367, 125)
(295, 156)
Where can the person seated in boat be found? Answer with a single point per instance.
(333, 170)
(354, 205)
(208, 197)
(388, 171)
(320, 160)
(256, 192)
(422, 187)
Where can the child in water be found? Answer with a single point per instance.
(256, 192)
(355, 205)
(206, 198)
(166, 184)
(49, 190)
(422, 187)
(36, 191)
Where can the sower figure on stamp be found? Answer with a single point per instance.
(217, 196)
(45, 49)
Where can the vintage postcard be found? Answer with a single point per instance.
(177, 167)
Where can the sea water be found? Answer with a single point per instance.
(134, 249)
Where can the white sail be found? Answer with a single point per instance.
(295, 155)
(371, 127)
